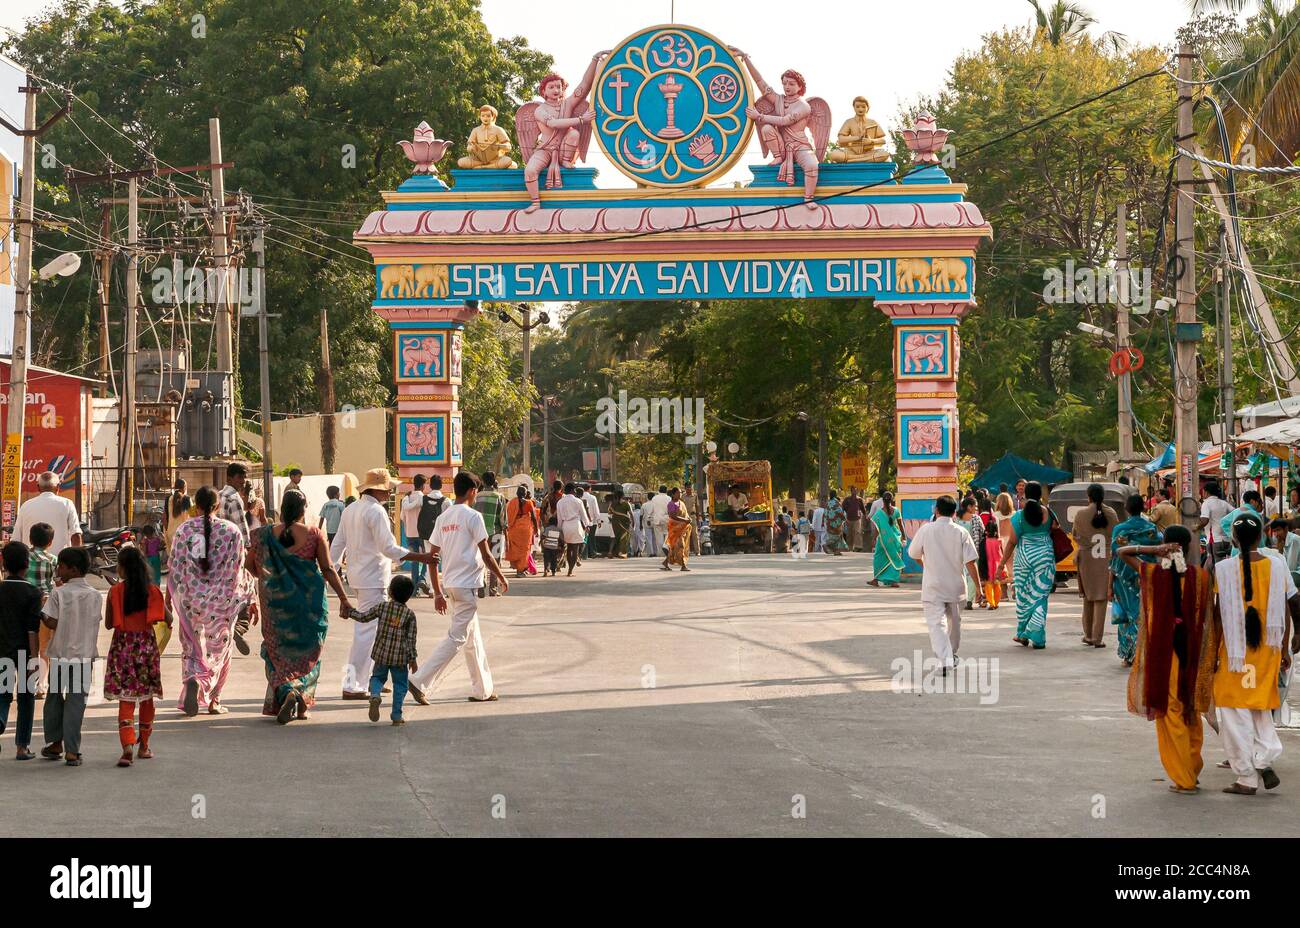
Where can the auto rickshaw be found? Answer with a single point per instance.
(1066, 499)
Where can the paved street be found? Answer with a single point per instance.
(639, 703)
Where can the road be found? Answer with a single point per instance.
(752, 696)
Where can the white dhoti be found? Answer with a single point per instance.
(1250, 740)
(463, 634)
(356, 673)
(944, 641)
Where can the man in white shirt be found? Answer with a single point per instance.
(945, 551)
(460, 542)
(49, 507)
(1272, 509)
(634, 541)
(819, 526)
(649, 513)
(365, 536)
(411, 504)
(571, 516)
(1213, 508)
(593, 517)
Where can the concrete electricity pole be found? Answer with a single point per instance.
(126, 416)
(1124, 385)
(263, 361)
(526, 434)
(16, 413)
(1187, 328)
(223, 326)
(1227, 394)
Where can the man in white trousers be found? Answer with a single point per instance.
(945, 551)
(460, 542)
(365, 537)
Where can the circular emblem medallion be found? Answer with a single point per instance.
(670, 107)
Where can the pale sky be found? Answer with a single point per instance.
(890, 52)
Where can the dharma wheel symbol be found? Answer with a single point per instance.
(723, 88)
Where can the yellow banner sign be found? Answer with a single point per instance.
(853, 468)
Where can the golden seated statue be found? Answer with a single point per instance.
(860, 138)
(489, 145)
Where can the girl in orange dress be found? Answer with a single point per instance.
(132, 674)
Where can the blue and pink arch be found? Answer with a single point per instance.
(907, 242)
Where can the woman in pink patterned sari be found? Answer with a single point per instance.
(208, 586)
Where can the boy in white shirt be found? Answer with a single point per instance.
(460, 543)
(74, 610)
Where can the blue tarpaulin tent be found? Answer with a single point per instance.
(1009, 468)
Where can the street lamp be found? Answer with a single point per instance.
(543, 318)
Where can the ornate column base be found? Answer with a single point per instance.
(926, 434)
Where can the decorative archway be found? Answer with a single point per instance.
(663, 102)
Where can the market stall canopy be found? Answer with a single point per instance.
(1009, 468)
(1278, 439)
(1278, 409)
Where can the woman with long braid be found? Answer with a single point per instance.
(1173, 668)
(208, 586)
(1253, 615)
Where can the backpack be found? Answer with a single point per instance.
(552, 539)
(430, 509)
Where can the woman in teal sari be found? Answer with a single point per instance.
(1125, 611)
(887, 559)
(1034, 571)
(291, 563)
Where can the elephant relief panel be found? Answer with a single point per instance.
(924, 352)
(457, 347)
(932, 275)
(419, 356)
(413, 282)
(924, 438)
(457, 447)
(421, 439)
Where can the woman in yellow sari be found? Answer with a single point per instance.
(521, 516)
(679, 532)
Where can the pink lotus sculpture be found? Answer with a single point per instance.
(424, 150)
(924, 140)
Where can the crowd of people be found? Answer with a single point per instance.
(229, 568)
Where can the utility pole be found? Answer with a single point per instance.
(263, 361)
(613, 442)
(105, 256)
(328, 435)
(1124, 386)
(526, 435)
(223, 328)
(126, 416)
(16, 414)
(1227, 397)
(1187, 330)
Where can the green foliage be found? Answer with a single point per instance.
(295, 83)
(492, 397)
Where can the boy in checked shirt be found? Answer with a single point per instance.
(394, 649)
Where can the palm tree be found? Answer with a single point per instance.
(1258, 81)
(1062, 23)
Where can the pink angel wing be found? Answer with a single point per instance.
(820, 123)
(767, 106)
(584, 130)
(526, 129)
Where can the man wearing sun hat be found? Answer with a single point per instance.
(365, 536)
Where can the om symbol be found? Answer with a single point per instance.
(674, 49)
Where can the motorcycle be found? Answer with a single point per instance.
(103, 547)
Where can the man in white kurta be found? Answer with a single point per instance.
(571, 516)
(365, 536)
(654, 516)
(945, 552)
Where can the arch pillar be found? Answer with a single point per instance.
(428, 348)
(927, 351)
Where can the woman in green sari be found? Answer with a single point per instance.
(1033, 567)
(887, 559)
(620, 519)
(291, 563)
(835, 522)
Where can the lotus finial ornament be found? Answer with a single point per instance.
(924, 140)
(424, 150)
